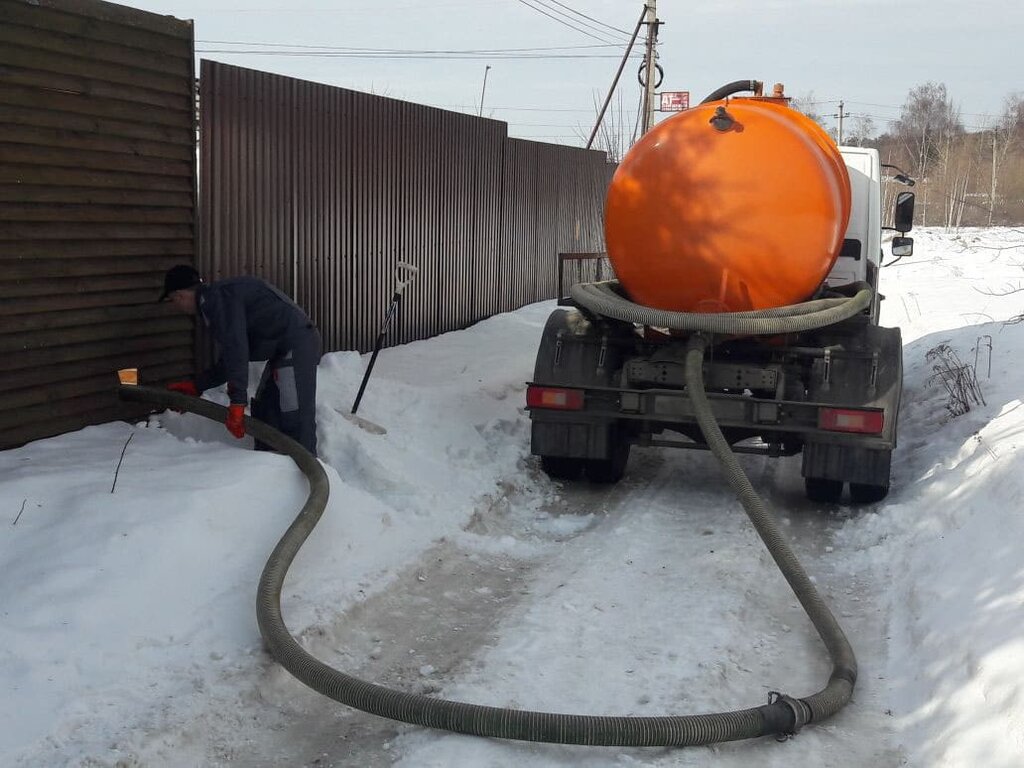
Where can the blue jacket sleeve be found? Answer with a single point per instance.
(225, 315)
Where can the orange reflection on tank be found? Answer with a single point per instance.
(703, 220)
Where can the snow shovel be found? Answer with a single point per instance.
(405, 273)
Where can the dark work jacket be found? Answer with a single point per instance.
(250, 320)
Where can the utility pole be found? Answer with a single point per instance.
(618, 74)
(841, 115)
(651, 20)
(483, 91)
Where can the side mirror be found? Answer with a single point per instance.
(902, 246)
(903, 218)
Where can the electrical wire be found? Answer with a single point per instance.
(895, 107)
(547, 5)
(399, 57)
(561, 21)
(410, 50)
(636, 125)
(900, 107)
(514, 109)
(889, 119)
(573, 10)
(551, 136)
(545, 125)
(356, 11)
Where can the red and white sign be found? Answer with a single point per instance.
(674, 101)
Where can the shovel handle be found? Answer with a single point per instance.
(405, 273)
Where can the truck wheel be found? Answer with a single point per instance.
(612, 469)
(861, 493)
(822, 490)
(562, 467)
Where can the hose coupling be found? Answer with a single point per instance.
(801, 713)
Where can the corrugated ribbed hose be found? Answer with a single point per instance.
(784, 715)
(839, 689)
(605, 298)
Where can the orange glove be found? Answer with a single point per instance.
(236, 420)
(186, 387)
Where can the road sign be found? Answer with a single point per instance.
(674, 101)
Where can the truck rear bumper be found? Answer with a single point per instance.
(584, 432)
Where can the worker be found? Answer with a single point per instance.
(252, 320)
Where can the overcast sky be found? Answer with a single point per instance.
(869, 53)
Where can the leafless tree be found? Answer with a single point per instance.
(617, 132)
(927, 118)
(862, 128)
(928, 123)
(957, 166)
(810, 106)
(1007, 134)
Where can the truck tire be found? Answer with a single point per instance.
(610, 470)
(823, 490)
(562, 467)
(862, 493)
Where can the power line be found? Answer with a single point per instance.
(561, 21)
(894, 107)
(573, 10)
(547, 4)
(552, 136)
(887, 118)
(552, 125)
(357, 12)
(900, 108)
(516, 109)
(399, 56)
(410, 50)
(636, 125)
(871, 104)
(890, 119)
(804, 102)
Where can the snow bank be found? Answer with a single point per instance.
(129, 635)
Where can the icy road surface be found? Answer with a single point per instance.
(447, 564)
(654, 597)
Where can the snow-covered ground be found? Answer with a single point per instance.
(447, 563)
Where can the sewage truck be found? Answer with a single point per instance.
(742, 223)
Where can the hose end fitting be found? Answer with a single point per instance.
(801, 713)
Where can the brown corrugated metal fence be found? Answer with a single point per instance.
(322, 191)
(318, 189)
(97, 199)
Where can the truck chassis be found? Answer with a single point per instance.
(601, 386)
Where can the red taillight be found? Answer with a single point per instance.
(851, 420)
(554, 397)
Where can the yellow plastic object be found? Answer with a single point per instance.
(744, 212)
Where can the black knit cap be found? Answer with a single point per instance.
(179, 277)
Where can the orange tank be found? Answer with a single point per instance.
(743, 212)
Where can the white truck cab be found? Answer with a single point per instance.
(861, 255)
(862, 244)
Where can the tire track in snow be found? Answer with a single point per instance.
(439, 627)
(422, 631)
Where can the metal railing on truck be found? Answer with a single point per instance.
(590, 267)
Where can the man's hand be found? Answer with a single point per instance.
(236, 420)
(187, 387)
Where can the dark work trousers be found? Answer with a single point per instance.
(286, 395)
